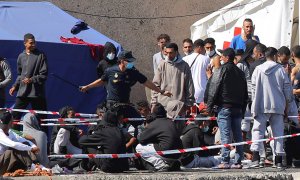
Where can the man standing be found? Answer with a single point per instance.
(258, 56)
(284, 55)
(228, 91)
(119, 80)
(210, 51)
(5, 79)
(238, 42)
(32, 73)
(187, 46)
(271, 93)
(198, 64)
(162, 40)
(174, 75)
(210, 46)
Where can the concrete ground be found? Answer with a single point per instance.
(205, 174)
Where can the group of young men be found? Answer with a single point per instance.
(245, 80)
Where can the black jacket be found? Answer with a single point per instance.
(162, 134)
(108, 139)
(227, 86)
(105, 63)
(255, 64)
(191, 137)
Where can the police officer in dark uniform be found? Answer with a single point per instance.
(120, 78)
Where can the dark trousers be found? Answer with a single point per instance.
(13, 159)
(37, 103)
(2, 102)
(106, 165)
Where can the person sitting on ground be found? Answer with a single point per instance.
(193, 136)
(100, 110)
(107, 139)
(159, 135)
(143, 108)
(15, 152)
(64, 139)
(32, 128)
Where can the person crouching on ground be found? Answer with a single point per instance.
(107, 139)
(160, 134)
(193, 136)
(65, 139)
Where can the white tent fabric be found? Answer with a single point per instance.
(273, 22)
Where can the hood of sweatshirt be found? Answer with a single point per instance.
(269, 67)
(189, 127)
(179, 60)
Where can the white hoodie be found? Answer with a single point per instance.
(271, 89)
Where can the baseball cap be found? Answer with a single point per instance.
(126, 55)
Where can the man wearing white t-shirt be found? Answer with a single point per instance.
(198, 63)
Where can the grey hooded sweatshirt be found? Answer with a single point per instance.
(271, 89)
(176, 78)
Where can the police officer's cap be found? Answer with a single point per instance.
(126, 55)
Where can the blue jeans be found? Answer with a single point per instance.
(229, 121)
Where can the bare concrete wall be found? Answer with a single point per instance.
(139, 35)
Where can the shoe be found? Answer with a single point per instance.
(222, 166)
(79, 170)
(252, 165)
(236, 166)
(165, 168)
(278, 162)
(262, 162)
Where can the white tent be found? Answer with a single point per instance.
(276, 22)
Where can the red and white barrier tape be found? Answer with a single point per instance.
(71, 120)
(47, 112)
(176, 151)
(61, 124)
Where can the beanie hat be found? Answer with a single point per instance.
(159, 111)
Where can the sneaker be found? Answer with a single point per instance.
(236, 166)
(222, 166)
(79, 170)
(252, 165)
(280, 166)
(278, 162)
(165, 168)
(262, 163)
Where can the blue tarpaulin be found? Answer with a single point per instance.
(69, 61)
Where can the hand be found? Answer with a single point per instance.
(208, 72)
(12, 91)
(167, 93)
(214, 130)
(83, 88)
(80, 132)
(27, 80)
(35, 150)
